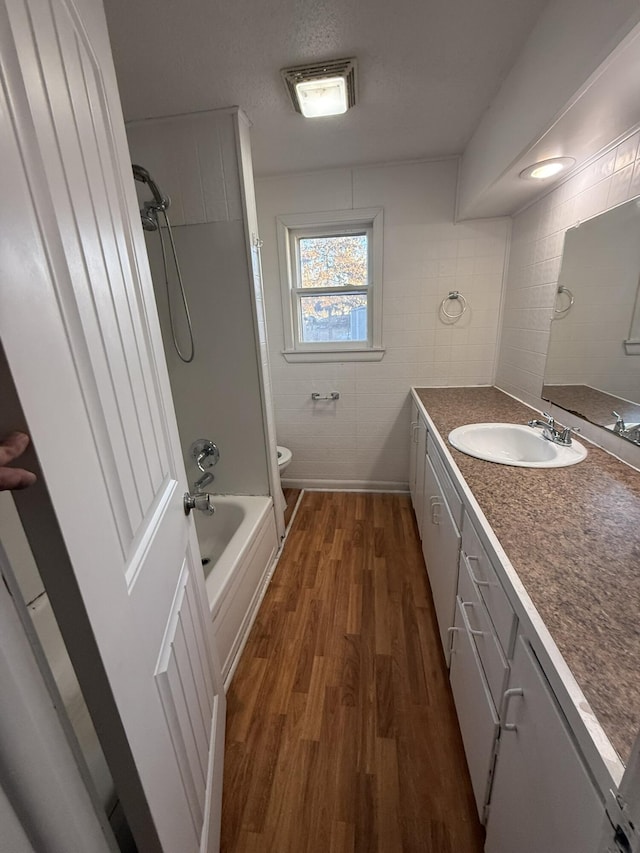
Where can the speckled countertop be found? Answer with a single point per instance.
(573, 536)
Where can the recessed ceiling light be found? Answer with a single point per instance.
(322, 89)
(546, 168)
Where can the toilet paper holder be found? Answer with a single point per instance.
(333, 395)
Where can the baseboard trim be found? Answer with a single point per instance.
(347, 485)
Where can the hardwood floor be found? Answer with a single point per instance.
(341, 731)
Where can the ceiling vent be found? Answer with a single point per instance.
(322, 88)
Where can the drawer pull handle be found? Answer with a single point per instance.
(476, 580)
(506, 699)
(435, 506)
(471, 630)
(452, 632)
(414, 427)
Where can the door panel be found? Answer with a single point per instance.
(441, 547)
(543, 798)
(78, 323)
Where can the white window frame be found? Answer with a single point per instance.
(290, 229)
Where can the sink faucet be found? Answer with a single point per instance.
(550, 432)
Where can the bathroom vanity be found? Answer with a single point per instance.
(535, 582)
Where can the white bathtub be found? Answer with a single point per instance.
(238, 544)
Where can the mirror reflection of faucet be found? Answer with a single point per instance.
(630, 431)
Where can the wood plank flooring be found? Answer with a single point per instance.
(341, 730)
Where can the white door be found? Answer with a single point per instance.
(543, 798)
(82, 341)
(621, 832)
(441, 549)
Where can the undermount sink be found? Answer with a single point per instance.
(515, 444)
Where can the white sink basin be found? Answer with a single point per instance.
(514, 444)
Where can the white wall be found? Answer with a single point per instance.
(363, 438)
(194, 158)
(534, 265)
(569, 41)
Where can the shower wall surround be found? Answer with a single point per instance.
(361, 440)
(196, 159)
(534, 265)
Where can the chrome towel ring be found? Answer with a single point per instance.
(566, 309)
(453, 295)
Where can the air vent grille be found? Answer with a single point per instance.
(346, 68)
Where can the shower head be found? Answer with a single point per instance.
(149, 219)
(160, 201)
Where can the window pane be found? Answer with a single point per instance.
(333, 261)
(334, 318)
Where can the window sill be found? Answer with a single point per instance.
(319, 355)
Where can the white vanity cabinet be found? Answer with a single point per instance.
(477, 716)
(417, 451)
(441, 515)
(532, 786)
(543, 799)
(479, 668)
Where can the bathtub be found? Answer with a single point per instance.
(238, 544)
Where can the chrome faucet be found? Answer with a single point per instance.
(550, 432)
(203, 481)
(620, 428)
(206, 455)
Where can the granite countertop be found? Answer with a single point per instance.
(573, 536)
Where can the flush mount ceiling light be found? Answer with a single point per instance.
(322, 88)
(546, 168)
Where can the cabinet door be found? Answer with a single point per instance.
(441, 547)
(475, 709)
(413, 447)
(543, 799)
(421, 450)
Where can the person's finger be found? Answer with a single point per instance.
(13, 446)
(16, 478)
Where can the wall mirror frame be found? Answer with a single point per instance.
(593, 360)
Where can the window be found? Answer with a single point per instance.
(331, 267)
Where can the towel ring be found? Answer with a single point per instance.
(453, 294)
(563, 289)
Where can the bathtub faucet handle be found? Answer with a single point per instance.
(205, 453)
(200, 501)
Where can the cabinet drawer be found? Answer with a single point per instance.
(474, 706)
(441, 549)
(483, 574)
(482, 632)
(450, 493)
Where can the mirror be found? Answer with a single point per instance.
(593, 361)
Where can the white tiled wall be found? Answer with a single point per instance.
(534, 265)
(363, 438)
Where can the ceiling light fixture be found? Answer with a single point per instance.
(323, 88)
(544, 169)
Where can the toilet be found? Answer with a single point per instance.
(284, 458)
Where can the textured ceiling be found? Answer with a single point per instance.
(428, 69)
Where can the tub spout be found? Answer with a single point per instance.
(203, 481)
